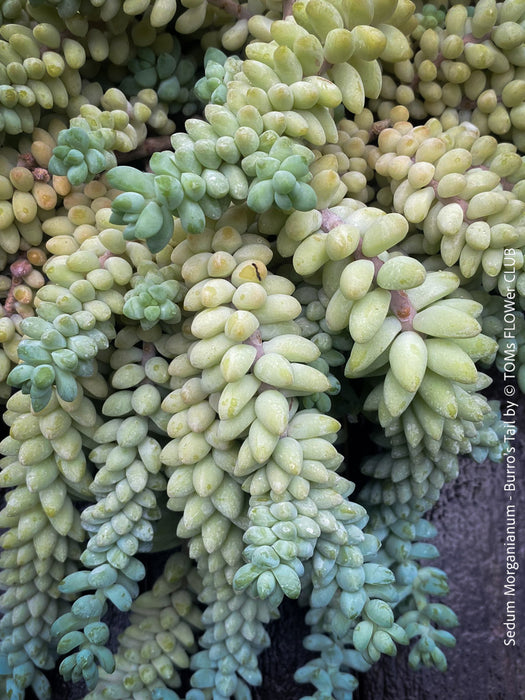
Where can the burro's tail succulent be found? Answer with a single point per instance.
(236, 241)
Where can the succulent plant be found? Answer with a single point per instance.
(227, 232)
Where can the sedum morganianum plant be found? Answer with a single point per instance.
(329, 237)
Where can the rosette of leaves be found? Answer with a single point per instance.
(153, 299)
(467, 65)
(428, 17)
(54, 354)
(218, 70)
(146, 205)
(280, 177)
(184, 184)
(179, 186)
(82, 154)
(169, 73)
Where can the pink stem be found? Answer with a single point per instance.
(402, 307)
(463, 203)
(359, 255)
(329, 220)
(287, 8)
(102, 258)
(27, 160)
(471, 39)
(400, 303)
(256, 341)
(19, 269)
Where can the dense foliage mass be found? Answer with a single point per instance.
(227, 232)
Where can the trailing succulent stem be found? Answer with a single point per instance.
(229, 232)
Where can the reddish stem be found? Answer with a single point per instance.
(256, 341)
(463, 203)
(400, 303)
(102, 258)
(329, 220)
(471, 39)
(10, 301)
(359, 255)
(19, 269)
(287, 8)
(27, 160)
(402, 307)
